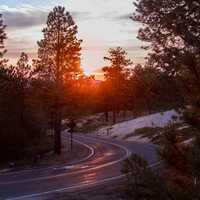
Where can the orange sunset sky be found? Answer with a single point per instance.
(102, 24)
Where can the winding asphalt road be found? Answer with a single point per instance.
(102, 166)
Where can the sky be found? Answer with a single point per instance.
(102, 24)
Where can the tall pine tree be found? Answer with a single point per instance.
(2, 39)
(173, 30)
(58, 57)
(115, 76)
(22, 73)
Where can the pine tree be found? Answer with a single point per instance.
(142, 182)
(2, 39)
(58, 57)
(22, 73)
(115, 76)
(173, 30)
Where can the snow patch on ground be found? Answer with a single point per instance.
(120, 130)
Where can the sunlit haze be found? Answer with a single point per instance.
(102, 24)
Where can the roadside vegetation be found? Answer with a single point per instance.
(176, 52)
(175, 177)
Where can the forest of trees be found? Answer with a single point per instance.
(172, 29)
(36, 95)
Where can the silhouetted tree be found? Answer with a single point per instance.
(115, 76)
(173, 29)
(22, 73)
(21, 118)
(2, 39)
(141, 181)
(176, 178)
(58, 56)
(147, 90)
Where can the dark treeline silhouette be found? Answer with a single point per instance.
(22, 111)
(37, 96)
(173, 30)
(137, 88)
(116, 76)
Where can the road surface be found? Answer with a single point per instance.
(102, 166)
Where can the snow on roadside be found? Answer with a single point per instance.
(120, 130)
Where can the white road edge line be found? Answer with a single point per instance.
(74, 164)
(92, 152)
(128, 153)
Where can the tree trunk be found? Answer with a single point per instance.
(71, 141)
(114, 116)
(22, 107)
(124, 114)
(57, 133)
(106, 115)
(148, 107)
(58, 111)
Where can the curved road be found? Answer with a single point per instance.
(101, 166)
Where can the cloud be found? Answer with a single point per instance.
(115, 16)
(28, 16)
(23, 17)
(123, 17)
(80, 16)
